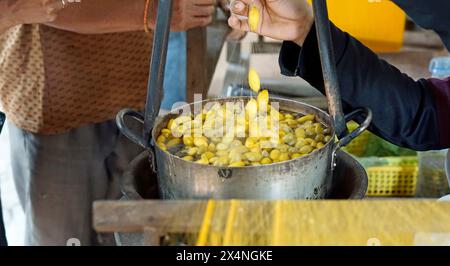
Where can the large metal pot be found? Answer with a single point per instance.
(308, 177)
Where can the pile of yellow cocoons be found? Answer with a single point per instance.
(258, 134)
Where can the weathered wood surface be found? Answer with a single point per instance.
(203, 51)
(196, 63)
(391, 222)
(134, 216)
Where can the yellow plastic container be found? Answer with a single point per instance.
(390, 176)
(378, 24)
(396, 179)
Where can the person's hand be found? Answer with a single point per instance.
(31, 11)
(234, 34)
(188, 14)
(288, 20)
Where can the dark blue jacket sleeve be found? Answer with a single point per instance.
(405, 111)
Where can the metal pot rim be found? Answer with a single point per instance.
(231, 99)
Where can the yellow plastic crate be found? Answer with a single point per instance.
(388, 176)
(396, 179)
(379, 24)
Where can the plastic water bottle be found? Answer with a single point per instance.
(440, 67)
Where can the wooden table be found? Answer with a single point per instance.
(389, 222)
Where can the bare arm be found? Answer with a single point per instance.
(101, 16)
(16, 12)
(106, 16)
(5, 24)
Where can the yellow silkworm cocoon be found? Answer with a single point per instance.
(213, 159)
(201, 141)
(253, 18)
(192, 151)
(251, 108)
(266, 161)
(319, 137)
(170, 124)
(305, 118)
(188, 141)
(188, 158)
(254, 80)
(300, 143)
(221, 147)
(263, 101)
(288, 116)
(173, 142)
(162, 146)
(212, 147)
(296, 155)
(202, 149)
(207, 155)
(237, 164)
(306, 149)
(289, 139)
(253, 156)
(161, 139)
(235, 143)
(250, 142)
(222, 153)
(222, 161)
(284, 157)
(275, 154)
(166, 132)
(300, 133)
(292, 122)
(235, 157)
(202, 161)
(311, 142)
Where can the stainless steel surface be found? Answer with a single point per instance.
(308, 177)
(349, 179)
(329, 71)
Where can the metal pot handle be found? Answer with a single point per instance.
(127, 132)
(365, 112)
(138, 139)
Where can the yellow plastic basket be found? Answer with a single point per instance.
(388, 176)
(379, 24)
(396, 179)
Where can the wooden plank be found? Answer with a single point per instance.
(204, 46)
(134, 216)
(423, 38)
(196, 78)
(389, 222)
(152, 236)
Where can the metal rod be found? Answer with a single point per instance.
(157, 65)
(329, 71)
